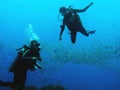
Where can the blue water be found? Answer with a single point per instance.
(92, 63)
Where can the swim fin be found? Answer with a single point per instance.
(92, 32)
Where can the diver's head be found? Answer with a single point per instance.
(35, 45)
(63, 11)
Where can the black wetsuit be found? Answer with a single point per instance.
(20, 67)
(72, 21)
(74, 24)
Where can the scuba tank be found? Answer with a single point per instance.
(16, 63)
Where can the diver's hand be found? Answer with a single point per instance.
(91, 4)
(39, 59)
(60, 38)
(34, 58)
(39, 66)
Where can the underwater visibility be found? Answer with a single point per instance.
(59, 45)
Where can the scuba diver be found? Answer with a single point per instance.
(27, 58)
(72, 20)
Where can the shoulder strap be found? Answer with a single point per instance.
(26, 51)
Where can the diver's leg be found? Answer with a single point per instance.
(14, 83)
(7, 84)
(83, 31)
(73, 36)
(21, 80)
(86, 33)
